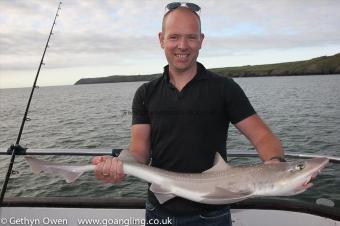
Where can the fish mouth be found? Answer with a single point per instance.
(315, 172)
(307, 183)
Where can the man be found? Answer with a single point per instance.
(181, 120)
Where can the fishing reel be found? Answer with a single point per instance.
(17, 149)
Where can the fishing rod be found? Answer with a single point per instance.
(115, 152)
(17, 148)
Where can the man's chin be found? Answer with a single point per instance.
(181, 67)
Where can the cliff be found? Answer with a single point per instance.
(316, 66)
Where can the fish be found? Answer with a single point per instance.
(221, 184)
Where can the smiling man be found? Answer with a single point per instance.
(181, 120)
(181, 43)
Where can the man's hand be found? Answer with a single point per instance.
(275, 159)
(272, 161)
(108, 169)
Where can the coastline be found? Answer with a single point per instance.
(324, 65)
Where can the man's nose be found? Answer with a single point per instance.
(182, 43)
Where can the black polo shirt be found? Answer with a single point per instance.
(190, 126)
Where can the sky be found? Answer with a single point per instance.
(96, 38)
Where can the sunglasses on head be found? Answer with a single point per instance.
(174, 5)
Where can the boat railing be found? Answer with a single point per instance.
(116, 151)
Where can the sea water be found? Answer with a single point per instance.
(303, 111)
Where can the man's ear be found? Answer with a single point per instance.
(161, 39)
(202, 38)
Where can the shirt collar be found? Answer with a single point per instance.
(201, 73)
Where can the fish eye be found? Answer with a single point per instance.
(300, 166)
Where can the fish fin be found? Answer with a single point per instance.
(229, 196)
(162, 194)
(68, 173)
(35, 167)
(219, 164)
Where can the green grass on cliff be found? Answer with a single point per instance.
(315, 66)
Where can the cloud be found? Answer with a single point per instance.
(84, 30)
(103, 33)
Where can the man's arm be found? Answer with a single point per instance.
(140, 142)
(262, 138)
(109, 169)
